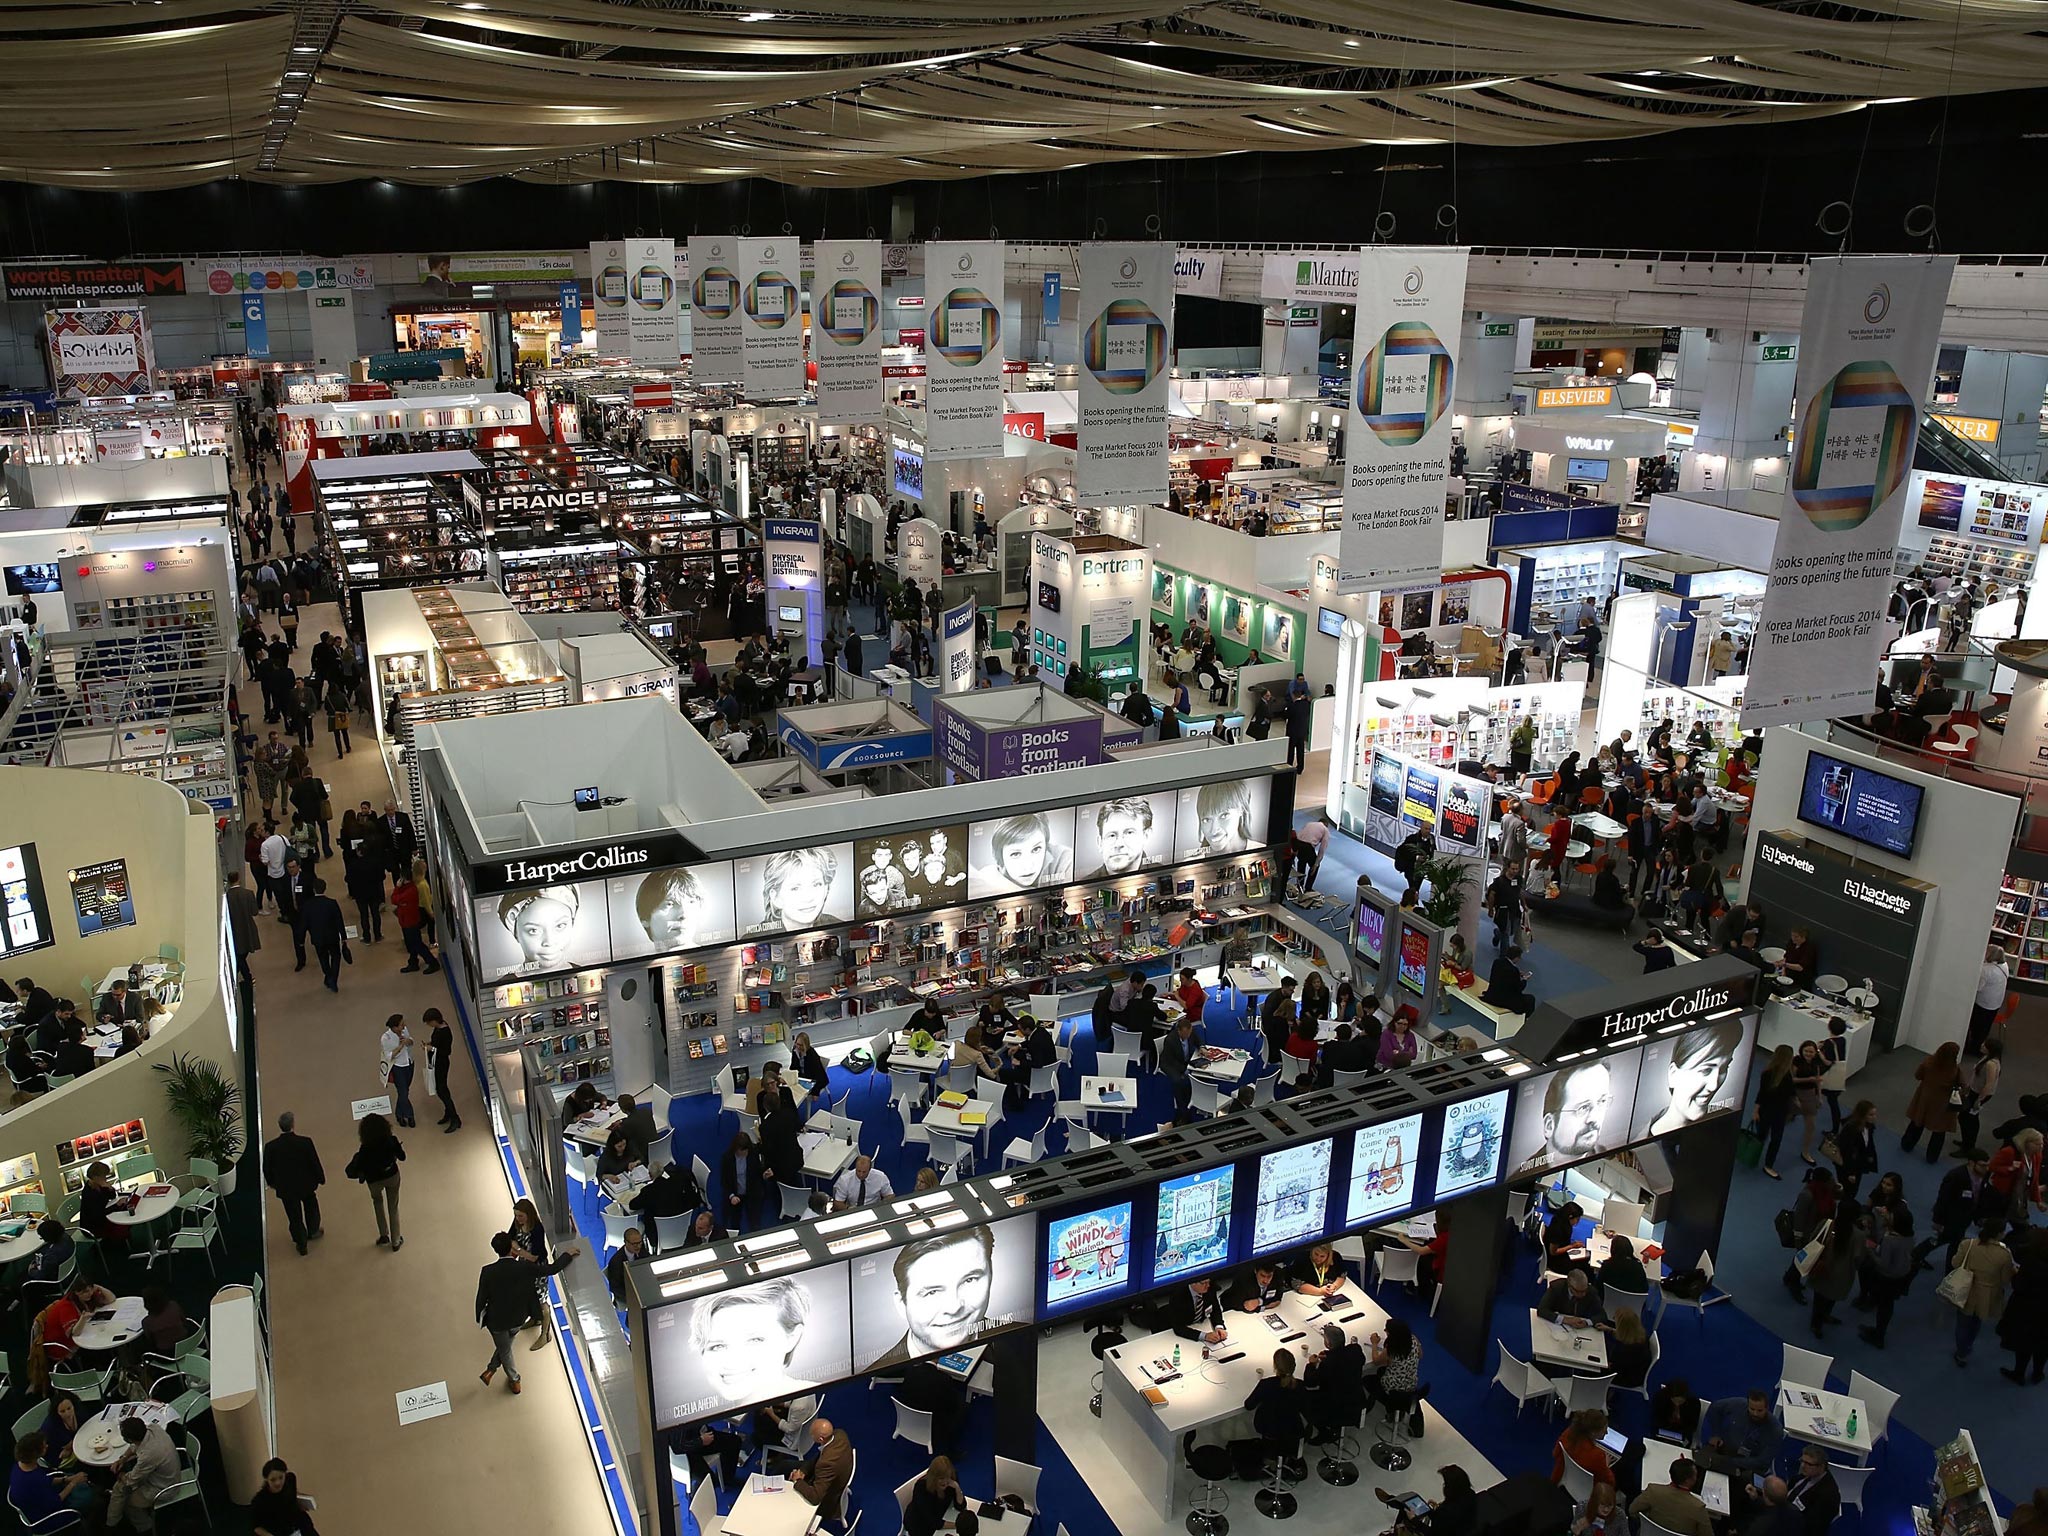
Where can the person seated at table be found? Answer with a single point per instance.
(1607, 891)
(22, 1065)
(637, 1120)
(35, 1001)
(163, 1321)
(1345, 1051)
(862, 1184)
(1657, 955)
(1275, 1403)
(73, 1057)
(95, 1201)
(47, 1262)
(1319, 1272)
(1191, 1311)
(275, 1510)
(1560, 1237)
(40, 1495)
(972, 1049)
(1398, 1041)
(1628, 1351)
(822, 1481)
(60, 1426)
(1741, 1435)
(1036, 1050)
(631, 1250)
(808, 1067)
(618, 1155)
(583, 1098)
(1580, 1445)
(119, 1005)
(1396, 1361)
(702, 1443)
(933, 1499)
(51, 1028)
(1507, 984)
(1192, 996)
(1572, 1301)
(1181, 1050)
(1676, 1504)
(1622, 1269)
(1142, 1014)
(704, 1230)
(995, 1020)
(1257, 1290)
(672, 1193)
(1675, 1411)
(1334, 1379)
(781, 1431)
(930, 1018)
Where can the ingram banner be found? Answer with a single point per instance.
(1867, 340)
(1127, 297)
(1397, 444)
(963, 284)
(771, 319)
(846, 330)
(956, 648)
(715, 347)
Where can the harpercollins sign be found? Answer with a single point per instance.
(552, 866)
(1626, 1024)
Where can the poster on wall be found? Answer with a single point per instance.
(794, 890)
(544, 929)
(1122, 386)
(770, 1341)
(715, 351)
(771, 319)
(846, 329)
(1221, 820)
(1867, 341)
(104, 351)
(1416, 608)
(1279, 642)
(1470, 1155)
(941, 1293)
(671, 910)
(1294, 1196)
(910, 871)
(963, 283)
(1988, 511)
(1686, 1078)
(1397, 439)
(1192, 1232)
(1088, 1254)
(1123, 836)
(1237, 617)
(1571, 1114)
(1461, 819)
(1162, 588)
(1020, 853)
(102, 898)
(1384, 1170)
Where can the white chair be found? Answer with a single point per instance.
(1583, 1392)
(903, 1493)
(906, 1092)
(1342, 1079)
(660, 1153)
(1879, 1400)
(704, 1508)
(1642, 1389)
(730, 1100)
(1624, 1218)
(1518, 1208)
(960, 1076)
(616, 1219)
(658, 1099)
(1112, 1064)
(1352, 1251)
(914, 1425)
(578, 1163)
(1206, 1098)
(993, 1108)
(1804, 1368)
(1849, 1483)
(1616, 1298)
(1701, 1302)
(796, 1203)
(1074, 1116)
(1045, 1081)
(1128, 1042)
(1262, 1088)
(671, 1232)
(1524, 1383)
(1020, 1478)
(1025, 1151)
(1397, 1264)
(702, 1170)
(1645, 1526)
(1578, 1482)
(948, 1150)
(915, 1135)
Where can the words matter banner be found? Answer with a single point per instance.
(846, 329)
(1398, 442)
(1127, 294)
(771, 319)
(715, 345)
(1867, 340)
(964, 349)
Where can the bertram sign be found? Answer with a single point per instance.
(557, 866)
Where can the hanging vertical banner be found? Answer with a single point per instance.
(1397, 443)
(255, 326)
(846, 329)
(1867, 341)
(1127, 301)
(771, 319)
(964, 349)
(1049, 300)
(572, 314)
(715, 349)
(609, 282)
(956, 648)
(654, 318)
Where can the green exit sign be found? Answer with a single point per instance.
(1785, 354)
(340, 302)
(1500, 328)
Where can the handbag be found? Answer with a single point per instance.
(1788, 1235)
(1809, 1256)
(1749, 1147)
(1957, 1284)
(1831, 1149)
(1836, 1078)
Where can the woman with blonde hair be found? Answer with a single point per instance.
(1773, 1107)
(933, 1499)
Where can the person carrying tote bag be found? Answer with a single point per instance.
(1987, 1266)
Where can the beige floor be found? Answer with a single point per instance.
(354, 1324)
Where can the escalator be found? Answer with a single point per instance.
(1943, 453)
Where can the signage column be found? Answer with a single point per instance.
(794, 566)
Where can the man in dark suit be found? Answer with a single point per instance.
(120, 1006)
(291, 1166)
(1256, 1291)
(1037, 1050)
(319, 919)
(704, 1231)
(53, 1027)
(1814, 1493)
(1770, 1513)
(1181, 1049)
(1335, 1384)
(35, 1002)
(822, 1481)
(242, 923)
(506, 1300)
(1965, 1198)
(399, 833)
(780, 1149)
(672, 1193)
(1347, 1051)
(637, 1120)
(1194, 1311)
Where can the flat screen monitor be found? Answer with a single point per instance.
(1573, 1113)
(40, 577)
(788, 613)
(1087, 1257)
(1469, 1156)
(1294, 1196)
(941, 1293)
(1330, 622)
(1024, 852)
(1370, 939)
(1693, 1076)
(1861, 803)
(762, 1342)
(1124, 836)
(1413, 970)
(671, 910)
(910, 871)
(1586, 469)
(21, 898)
(589, 799)
(1386, 1172)
(542, 930)
(908, 469)
(1193, 1231)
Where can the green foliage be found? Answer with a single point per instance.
(1449, 880)
(208, 1105)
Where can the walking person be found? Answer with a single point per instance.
(378, 1155)
(338, 724)
(363, 867)
(1935, 1102)
(320, 920)
(1808, 1070)
(1977, 1092)
(2024, 1328)
(1989, 1264)
(405, 905)
(1835, 1275)
(291, 1167)
(1887, 1267)
(1856, 1146)
(395, 1048)
(1815, 1206)
(504, 1305)
(530, 1242)
(440, 1051)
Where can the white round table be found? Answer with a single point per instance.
(103, 1338)
(148, 1209)
(23, 1246)
(98, 1442)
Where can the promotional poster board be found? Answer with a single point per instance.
(918, 551)
(1867, 341)
(715, 348)
(1122, 386)
(964, 350)
(846, 329)
(104, 351)
(956, 648)
(49, 281)
(633, 284)
(1997, 512)
(1398, 441)
(771, 319)
(793, 552)
(976, 749)
(1404, 794)
(1090, 597)
(1198, 273)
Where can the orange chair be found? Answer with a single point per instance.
(1543, 790)
(1592, 795)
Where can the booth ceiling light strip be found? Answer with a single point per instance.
(823, 93)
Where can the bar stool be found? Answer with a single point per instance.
(1109, 1337)
(1342, 1471)
(1391, 1452)
(1211, 1464)
(1276, 1500)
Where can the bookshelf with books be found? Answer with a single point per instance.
(2020, 923)
(1949, 554)
(1961, 1504)
(563, 577)
(113, 1145)
(563, 1017)
(18, 1176)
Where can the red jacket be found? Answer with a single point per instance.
(2009, 1168)
(405, 901)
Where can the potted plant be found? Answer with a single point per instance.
(1447, 879)
(208, 1106)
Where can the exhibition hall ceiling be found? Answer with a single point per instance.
(108, 93)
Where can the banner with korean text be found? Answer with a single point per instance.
(771, 319)
(846, 329)
(963, 282)
(715, 346)
(1127, 299)
(1397, 444)
(1867, 342)
(633, 286)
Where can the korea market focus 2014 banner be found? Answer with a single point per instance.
(1867, 340)
(1398, 442)
(771, 319)
(715, 344)
(956, 648)
(846, 329)
(1127, 293)
(963, 286)
(633, 284)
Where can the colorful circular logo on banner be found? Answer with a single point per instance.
(1125, 346)
(761, 300)
(1887, 449)
(654, 287)
(967, 327)
(713, 291)
(1407, 340)
(849, 312)
(610, 286)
